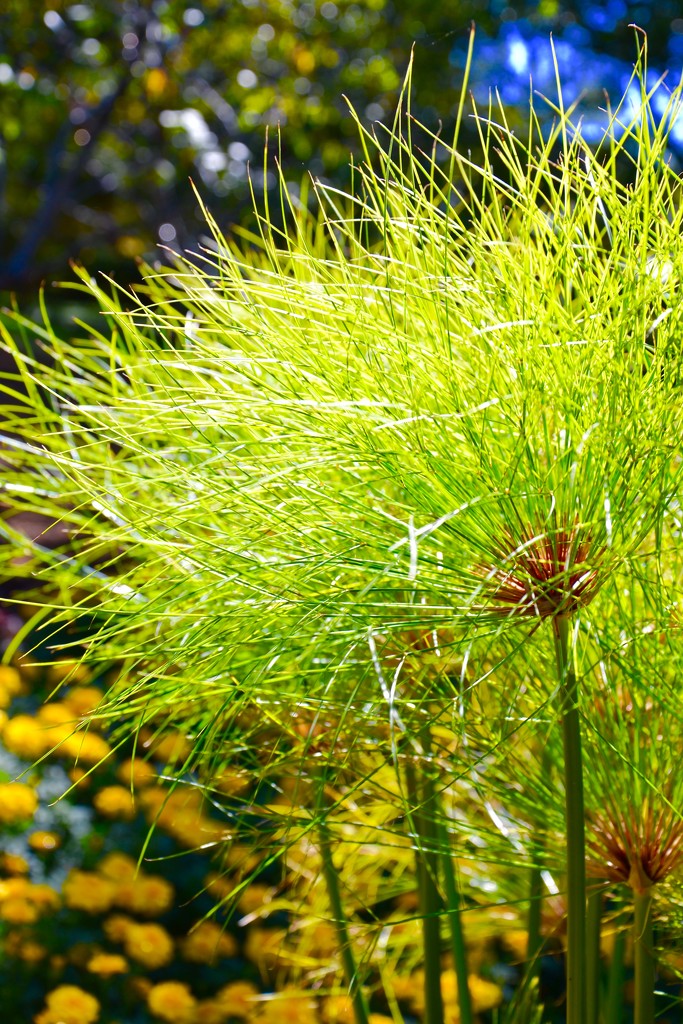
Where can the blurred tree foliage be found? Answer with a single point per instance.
(107, 108)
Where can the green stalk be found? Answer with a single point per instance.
(331, 877)
(593, 955)
(575, 825)
(426, 863)
(458, 948)
(615, 983)
(644, 960)
(534, 941)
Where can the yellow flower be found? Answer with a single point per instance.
(69, 1004)
(55, 713)
(18, 910)
(288, 1008)
(32, 952)
(237, 998)
(116, 927)
(172, 1001)
(135, 770)
(147, 895)
(65, 670)
(86, 890)
(149, 945)
(484, 994)
(254, 897)
(118, 866)
(208, 1011)
(219, 886)
(108, 964)
(43, 896)
(207, 943)
(10, 680)
(13, 864)
(18, 802)
(83, 700)
(171, 747)
(338, 1010)
(43, 842)
(87, 747)
(115, 802)
(264, 946)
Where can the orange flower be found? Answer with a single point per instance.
(237, 998)
(107, 964)
(172, 1001)
(18, 802)
(69, 1004)
(147, 895)
(207, 943)
(25, 738)
(136, 771)
(118, 866)
(17, 910)
(115, 802)
(43, 842)
(116, 927)
(83, 700)
(149, 945)
(88, 891)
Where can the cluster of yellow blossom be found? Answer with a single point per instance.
(23, 902)
(179, 813)
(55, 727)
(18, 802)
(118, 883)
(69, 1004)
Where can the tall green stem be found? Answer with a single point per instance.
(644, 960)
(458, 948)
(534, 941)
(421, 799)
(594, 921)
(331, 877)
(575, 825)
(615, 981)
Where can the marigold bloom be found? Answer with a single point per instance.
(115, 802)
(118, 866)
(10, 680)
(207, 943)
(147, 895)
(43, 842)
(25, 737)
(237, 998)
(136, 771)
(116, 927)
(149, 945)
(88, 891)
(82, 700)
(288, 1007)
(172, 1001)
(18, 910)
(18, 802)
(108, 964)
(69, 1004)
(86, 747)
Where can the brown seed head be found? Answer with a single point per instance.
(546, 573)
(637, 846)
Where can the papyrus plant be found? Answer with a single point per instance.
(438, 413)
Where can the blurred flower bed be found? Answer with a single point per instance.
(131, 893)
(126, 897)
